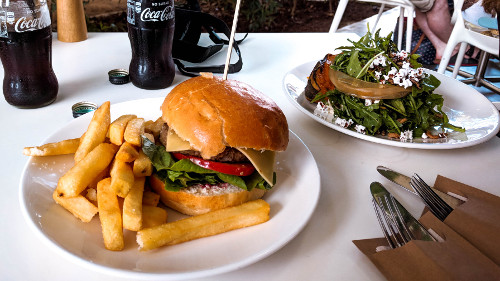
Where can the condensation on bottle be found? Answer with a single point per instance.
(151, 29)
(26, 53)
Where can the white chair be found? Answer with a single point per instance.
(465, 36)
(404, 5)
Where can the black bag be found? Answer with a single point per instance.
(189, 24)
(420, 44)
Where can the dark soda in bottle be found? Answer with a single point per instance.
(26, 54)
(150, 30)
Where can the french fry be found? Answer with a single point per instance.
(110, 216)
(154, 128)
(79, 206)
(142, 165)
(55, 148)
(84, 172)
(153, 216)
(149, 136)
(91, 195)
(117, 128)
(102, 175)
(150, 198)
(96, 131)
(133, 131)
(208, 224)
(122, 178)
(148, 125)
(127, 152)
(132, 206)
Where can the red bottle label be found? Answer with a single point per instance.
(19, 17)
(150, 14)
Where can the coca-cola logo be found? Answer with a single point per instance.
(152, 15)
(25, 24)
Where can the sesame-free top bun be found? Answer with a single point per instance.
(199, 200)
(211, 113)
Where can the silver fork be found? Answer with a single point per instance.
(391, 221)
(435, 204)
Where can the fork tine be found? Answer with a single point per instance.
(437, 205)
(376, 207)
(443, 205)
(393, 223)
(407, 235)
(428, 200)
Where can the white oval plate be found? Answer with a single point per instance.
(292, 200)
(464, 106)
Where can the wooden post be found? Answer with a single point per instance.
(71, 26)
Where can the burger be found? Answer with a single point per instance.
(217, 146)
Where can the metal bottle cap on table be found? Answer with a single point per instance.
(83, 107)
(118, 76)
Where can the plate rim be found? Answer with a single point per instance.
(388, 142)
(127, 273)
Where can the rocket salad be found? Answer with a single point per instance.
(376, 59)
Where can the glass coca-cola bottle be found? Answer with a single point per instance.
(26, 53)
(151, 30)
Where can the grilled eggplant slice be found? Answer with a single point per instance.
(319, 79)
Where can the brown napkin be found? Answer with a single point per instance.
(478, 219)
(453, 259)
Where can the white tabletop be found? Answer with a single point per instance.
(322, 251)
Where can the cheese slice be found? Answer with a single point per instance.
(263, 161)
(175, 143)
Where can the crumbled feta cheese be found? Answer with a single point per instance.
(343, 123)
(369, 102)
(380, 60)
(406, 83)
(401, 55)
(406, 135)
(360, 129)
(324, 111)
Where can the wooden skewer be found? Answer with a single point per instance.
(231, 39)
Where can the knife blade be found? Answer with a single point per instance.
(404, 181)
(408, 226)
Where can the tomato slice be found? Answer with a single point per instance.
(240, 169)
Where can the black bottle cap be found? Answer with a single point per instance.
(118, 76)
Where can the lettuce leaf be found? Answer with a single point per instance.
(184, 173)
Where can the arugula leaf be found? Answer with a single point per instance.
(354, 66)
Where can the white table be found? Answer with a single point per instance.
(322, 251)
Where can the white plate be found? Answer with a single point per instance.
(292, 200)
(464, 106)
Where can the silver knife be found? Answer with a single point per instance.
(404, 181)
(409, 227)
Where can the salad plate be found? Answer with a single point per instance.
(292, 200)
(464, 106)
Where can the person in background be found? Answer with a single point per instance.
(434, 19)
(493, 7)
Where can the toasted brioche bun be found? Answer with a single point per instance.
(199, 203)
(211, 113)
